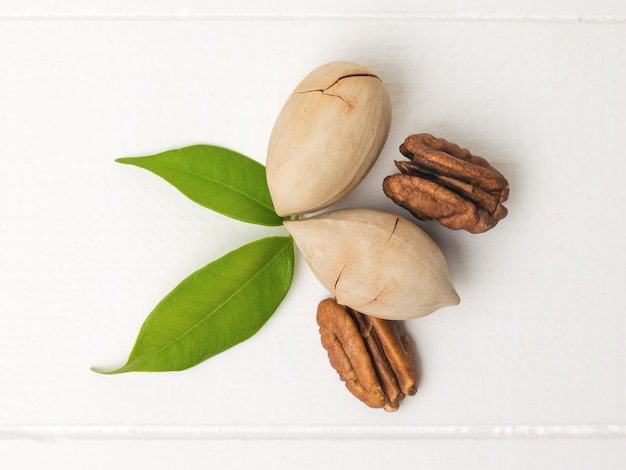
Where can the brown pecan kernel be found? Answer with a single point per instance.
(374, 357)
(446, 182)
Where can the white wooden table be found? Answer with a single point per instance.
(527, 372)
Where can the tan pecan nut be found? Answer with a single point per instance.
(446, 182)
(374, 357)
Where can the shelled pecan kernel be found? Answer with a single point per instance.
(446, 182)
(374, 357)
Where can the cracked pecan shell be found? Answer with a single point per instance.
(375, 262)
(445, 182)
(327, 136)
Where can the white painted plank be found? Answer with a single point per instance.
(315, 454)
(601, 9)
(89, 247)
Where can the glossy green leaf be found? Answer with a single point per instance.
(217, 178)
(217, 307)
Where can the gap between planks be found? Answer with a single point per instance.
(294, 432)
(185, 15)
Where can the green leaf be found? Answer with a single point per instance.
(217, 178)
(215, 308)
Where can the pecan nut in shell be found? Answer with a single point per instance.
(446, 182)
(374, 357)
(327, 136)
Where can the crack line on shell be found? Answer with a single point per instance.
(324, 91)
(338, 80)
(339, 276)
(395, 226)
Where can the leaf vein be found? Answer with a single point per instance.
(214, 181)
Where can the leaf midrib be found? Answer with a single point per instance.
(182, 335)
(214, 181)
